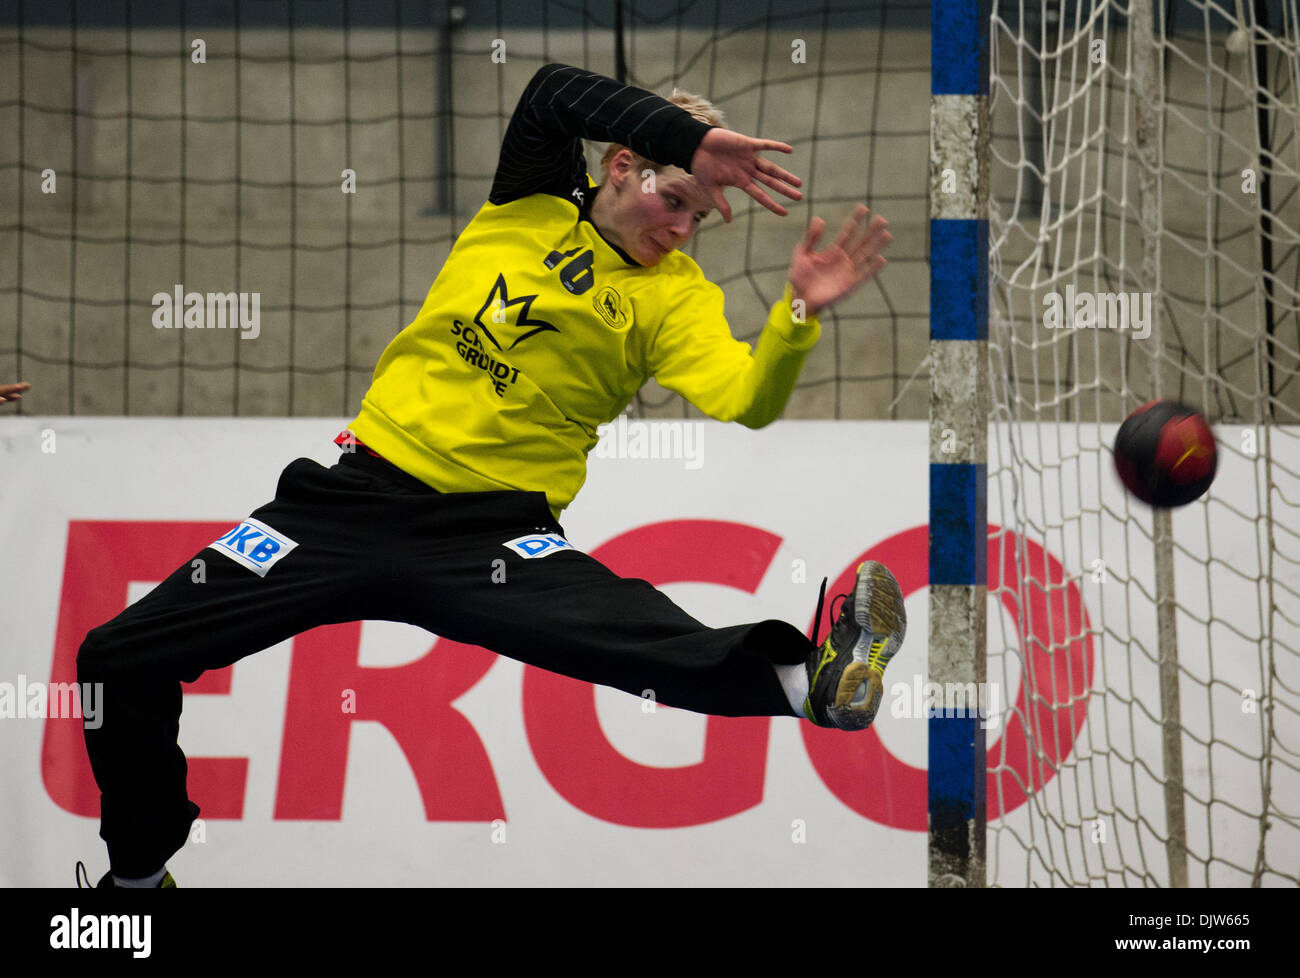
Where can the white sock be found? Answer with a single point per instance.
(794, 680)
(144, 883)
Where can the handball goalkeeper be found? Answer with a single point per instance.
(558, 301)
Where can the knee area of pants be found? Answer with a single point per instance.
(96, 655)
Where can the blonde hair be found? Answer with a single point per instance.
(698, 106)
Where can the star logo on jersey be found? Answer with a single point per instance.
(496, 304)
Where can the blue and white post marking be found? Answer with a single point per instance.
(959, 408)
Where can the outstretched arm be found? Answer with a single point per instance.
(695, 355)
(562, 105)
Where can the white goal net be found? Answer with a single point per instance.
(1152, 154)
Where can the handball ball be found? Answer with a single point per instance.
(1165, 454)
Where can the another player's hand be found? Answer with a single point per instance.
(13, 392)
(726, 158)
(821, 278)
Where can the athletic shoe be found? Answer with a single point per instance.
(106, 881)
(846, 673)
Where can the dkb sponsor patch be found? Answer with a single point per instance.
(538, 545)
(254, 545)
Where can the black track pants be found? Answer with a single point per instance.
(373, 543)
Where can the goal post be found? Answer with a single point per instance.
(958, 557)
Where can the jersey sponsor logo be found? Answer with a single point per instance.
(254, 545)
(470, 348)
(496, 304)
(610, 306)
(538, 545)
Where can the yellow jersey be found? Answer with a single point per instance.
(537, 330)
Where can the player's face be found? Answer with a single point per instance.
(655, 217)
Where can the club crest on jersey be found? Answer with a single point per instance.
(538, 545)
(254, 545)
(495, 306)
(610, 306)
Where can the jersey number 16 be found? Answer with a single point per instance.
(576, 275)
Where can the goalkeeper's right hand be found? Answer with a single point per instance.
(726, 158)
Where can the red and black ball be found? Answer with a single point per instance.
(1165, 453)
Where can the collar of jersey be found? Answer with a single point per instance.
(584, 213)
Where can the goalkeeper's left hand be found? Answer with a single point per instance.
(822, 278)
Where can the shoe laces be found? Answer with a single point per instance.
(821, 601)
